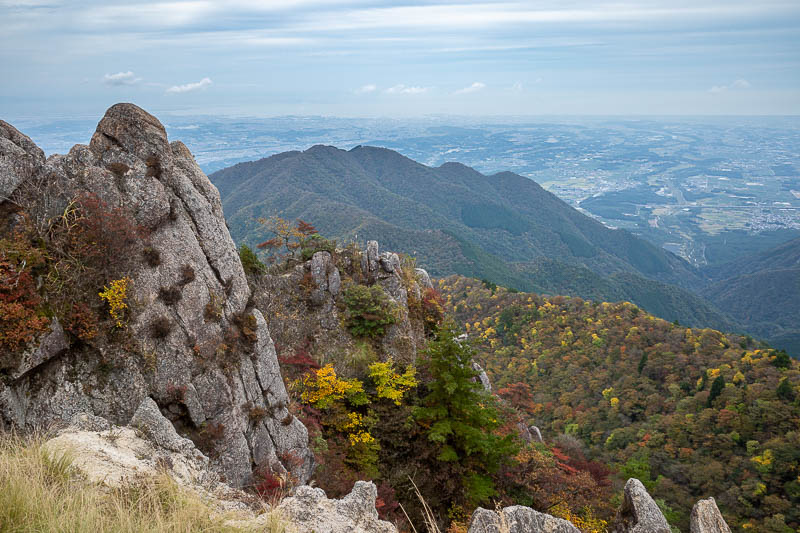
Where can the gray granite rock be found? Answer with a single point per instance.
(20, 159)
(638, 512)
(706, 518)
(310, 511)
(517, 519)
(194, 374)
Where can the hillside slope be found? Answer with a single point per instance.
(762, 291)
(690, 411)
(457, 220)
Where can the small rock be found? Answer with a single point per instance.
(483, 377)
(151, 422)
(424, 277)
(518, 519)
(638, 512)
(706, 518)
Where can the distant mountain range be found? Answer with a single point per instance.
(503, 227)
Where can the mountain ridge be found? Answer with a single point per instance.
(490, 226)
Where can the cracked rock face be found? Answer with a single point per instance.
(129, 162)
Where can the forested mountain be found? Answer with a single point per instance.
(688, 411)
(502, 227)
(762, 291)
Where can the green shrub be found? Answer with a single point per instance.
(368, 310)
(250, 261)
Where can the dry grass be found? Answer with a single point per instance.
(427, 514)
(41, 493)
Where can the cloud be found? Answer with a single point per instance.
(517, 87)
(202, 84)
(121, 78)
(405, 89)
(475, 87)
(366, 89)
(737, 84)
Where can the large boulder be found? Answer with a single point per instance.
(310, 511)
(203, 354)
(517, 519)
(639, 513)
(706, 518)
(20, 159)
(120, 456)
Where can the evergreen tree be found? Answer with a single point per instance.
(461, 418)
(716, 389)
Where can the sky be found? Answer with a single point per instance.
(364, 58)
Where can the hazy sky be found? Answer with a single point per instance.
(400, 58)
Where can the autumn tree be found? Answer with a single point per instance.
(288, 238)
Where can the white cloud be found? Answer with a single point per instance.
(205, 82)
(121, 78)
(737, 84)
(517, 87)
(475, 87)
(405, 89)
(366, 89)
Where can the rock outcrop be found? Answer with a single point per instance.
(173, 346)
(706, 518)
(305, 307)
(517, 519)
(118, 456)
(310, 511)
(20, 159)
(638, 512)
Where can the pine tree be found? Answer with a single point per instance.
(461, 418)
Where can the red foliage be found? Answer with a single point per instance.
(268, 486)
(81, 322)
(19, 320)
(432, 308)
(387, 504)
(305, 228)
(274, 242)
(520, 396)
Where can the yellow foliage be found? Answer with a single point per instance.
(765, 459)
(608, 392)
(585, 521)
(489, 332)
(115, 297)
(323, 387)
(388, 383)
(614, 402)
